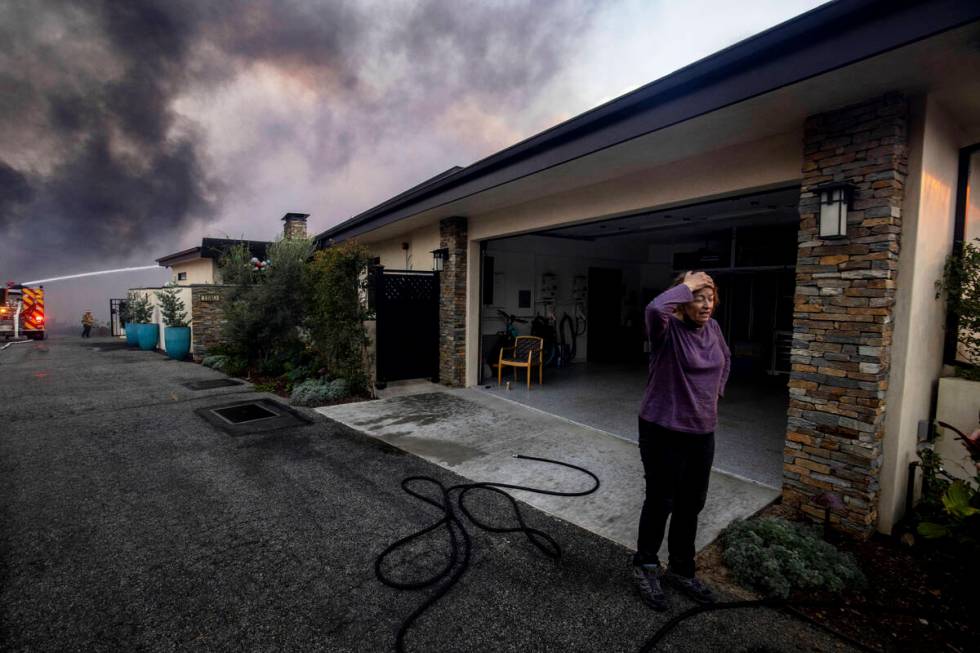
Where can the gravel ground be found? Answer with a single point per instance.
(131, 523)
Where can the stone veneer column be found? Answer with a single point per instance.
(452, 303)
(842, 324)
(207, 318)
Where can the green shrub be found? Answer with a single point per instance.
(215, 361)
(948, 509)
(265, 387)
(299, 372)
(960, 518)
(265, 310)
(775, 557)
(315, 392)
(338, 282)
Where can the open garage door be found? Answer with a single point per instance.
(588, 285)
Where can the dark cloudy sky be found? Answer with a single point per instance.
(130, 129)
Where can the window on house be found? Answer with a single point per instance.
(966, 230)
(181, 276)
(968, 211)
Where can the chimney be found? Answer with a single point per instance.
(294, 225)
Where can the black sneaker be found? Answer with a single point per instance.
(690, 585)
(647, 581)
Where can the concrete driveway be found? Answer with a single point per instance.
(475, 434)
(131, 523)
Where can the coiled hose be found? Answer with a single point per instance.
(459, 537)
(461, 547)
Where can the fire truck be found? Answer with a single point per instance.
(22, 312)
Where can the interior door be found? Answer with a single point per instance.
(604, 315)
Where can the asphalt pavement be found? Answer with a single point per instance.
(128, 522)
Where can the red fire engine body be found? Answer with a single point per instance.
(22, 312)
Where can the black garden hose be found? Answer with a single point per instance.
(461, 548)
(459, 538)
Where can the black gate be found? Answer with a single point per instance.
(407, 307)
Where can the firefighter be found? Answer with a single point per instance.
(87, 321)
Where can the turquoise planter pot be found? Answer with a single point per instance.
(148, 336)
(132, 335)
(178, 341)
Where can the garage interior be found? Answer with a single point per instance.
(602, 274)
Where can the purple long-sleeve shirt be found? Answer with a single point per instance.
(688, 367)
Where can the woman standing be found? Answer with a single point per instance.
(689, 364)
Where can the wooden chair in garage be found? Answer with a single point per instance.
(525, 353)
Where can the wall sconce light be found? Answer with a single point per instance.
(835, 199)
(439, 258)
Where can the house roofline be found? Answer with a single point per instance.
(819, 41)
(178, 257)
(212, 248)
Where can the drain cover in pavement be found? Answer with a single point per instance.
(244, 413)
(211, 383)
(107, 346)
(246, 417)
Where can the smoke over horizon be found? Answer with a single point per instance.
(124, 130)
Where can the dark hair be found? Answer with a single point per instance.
(679, 279)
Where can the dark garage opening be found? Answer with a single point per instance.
(602, 274)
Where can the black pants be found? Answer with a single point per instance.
(86, 331)
(677, 467)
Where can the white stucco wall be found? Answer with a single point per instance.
(202, 270)
(917, 343)
(418, 256)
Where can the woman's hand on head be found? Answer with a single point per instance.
(698, 280)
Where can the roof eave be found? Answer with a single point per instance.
(819, 41)
(179, 257)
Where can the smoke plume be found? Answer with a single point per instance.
(126, 125)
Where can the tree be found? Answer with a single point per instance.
(172, 307)
(139, 309)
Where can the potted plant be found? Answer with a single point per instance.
(142, 313)
(129, 322)
(177, 332)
